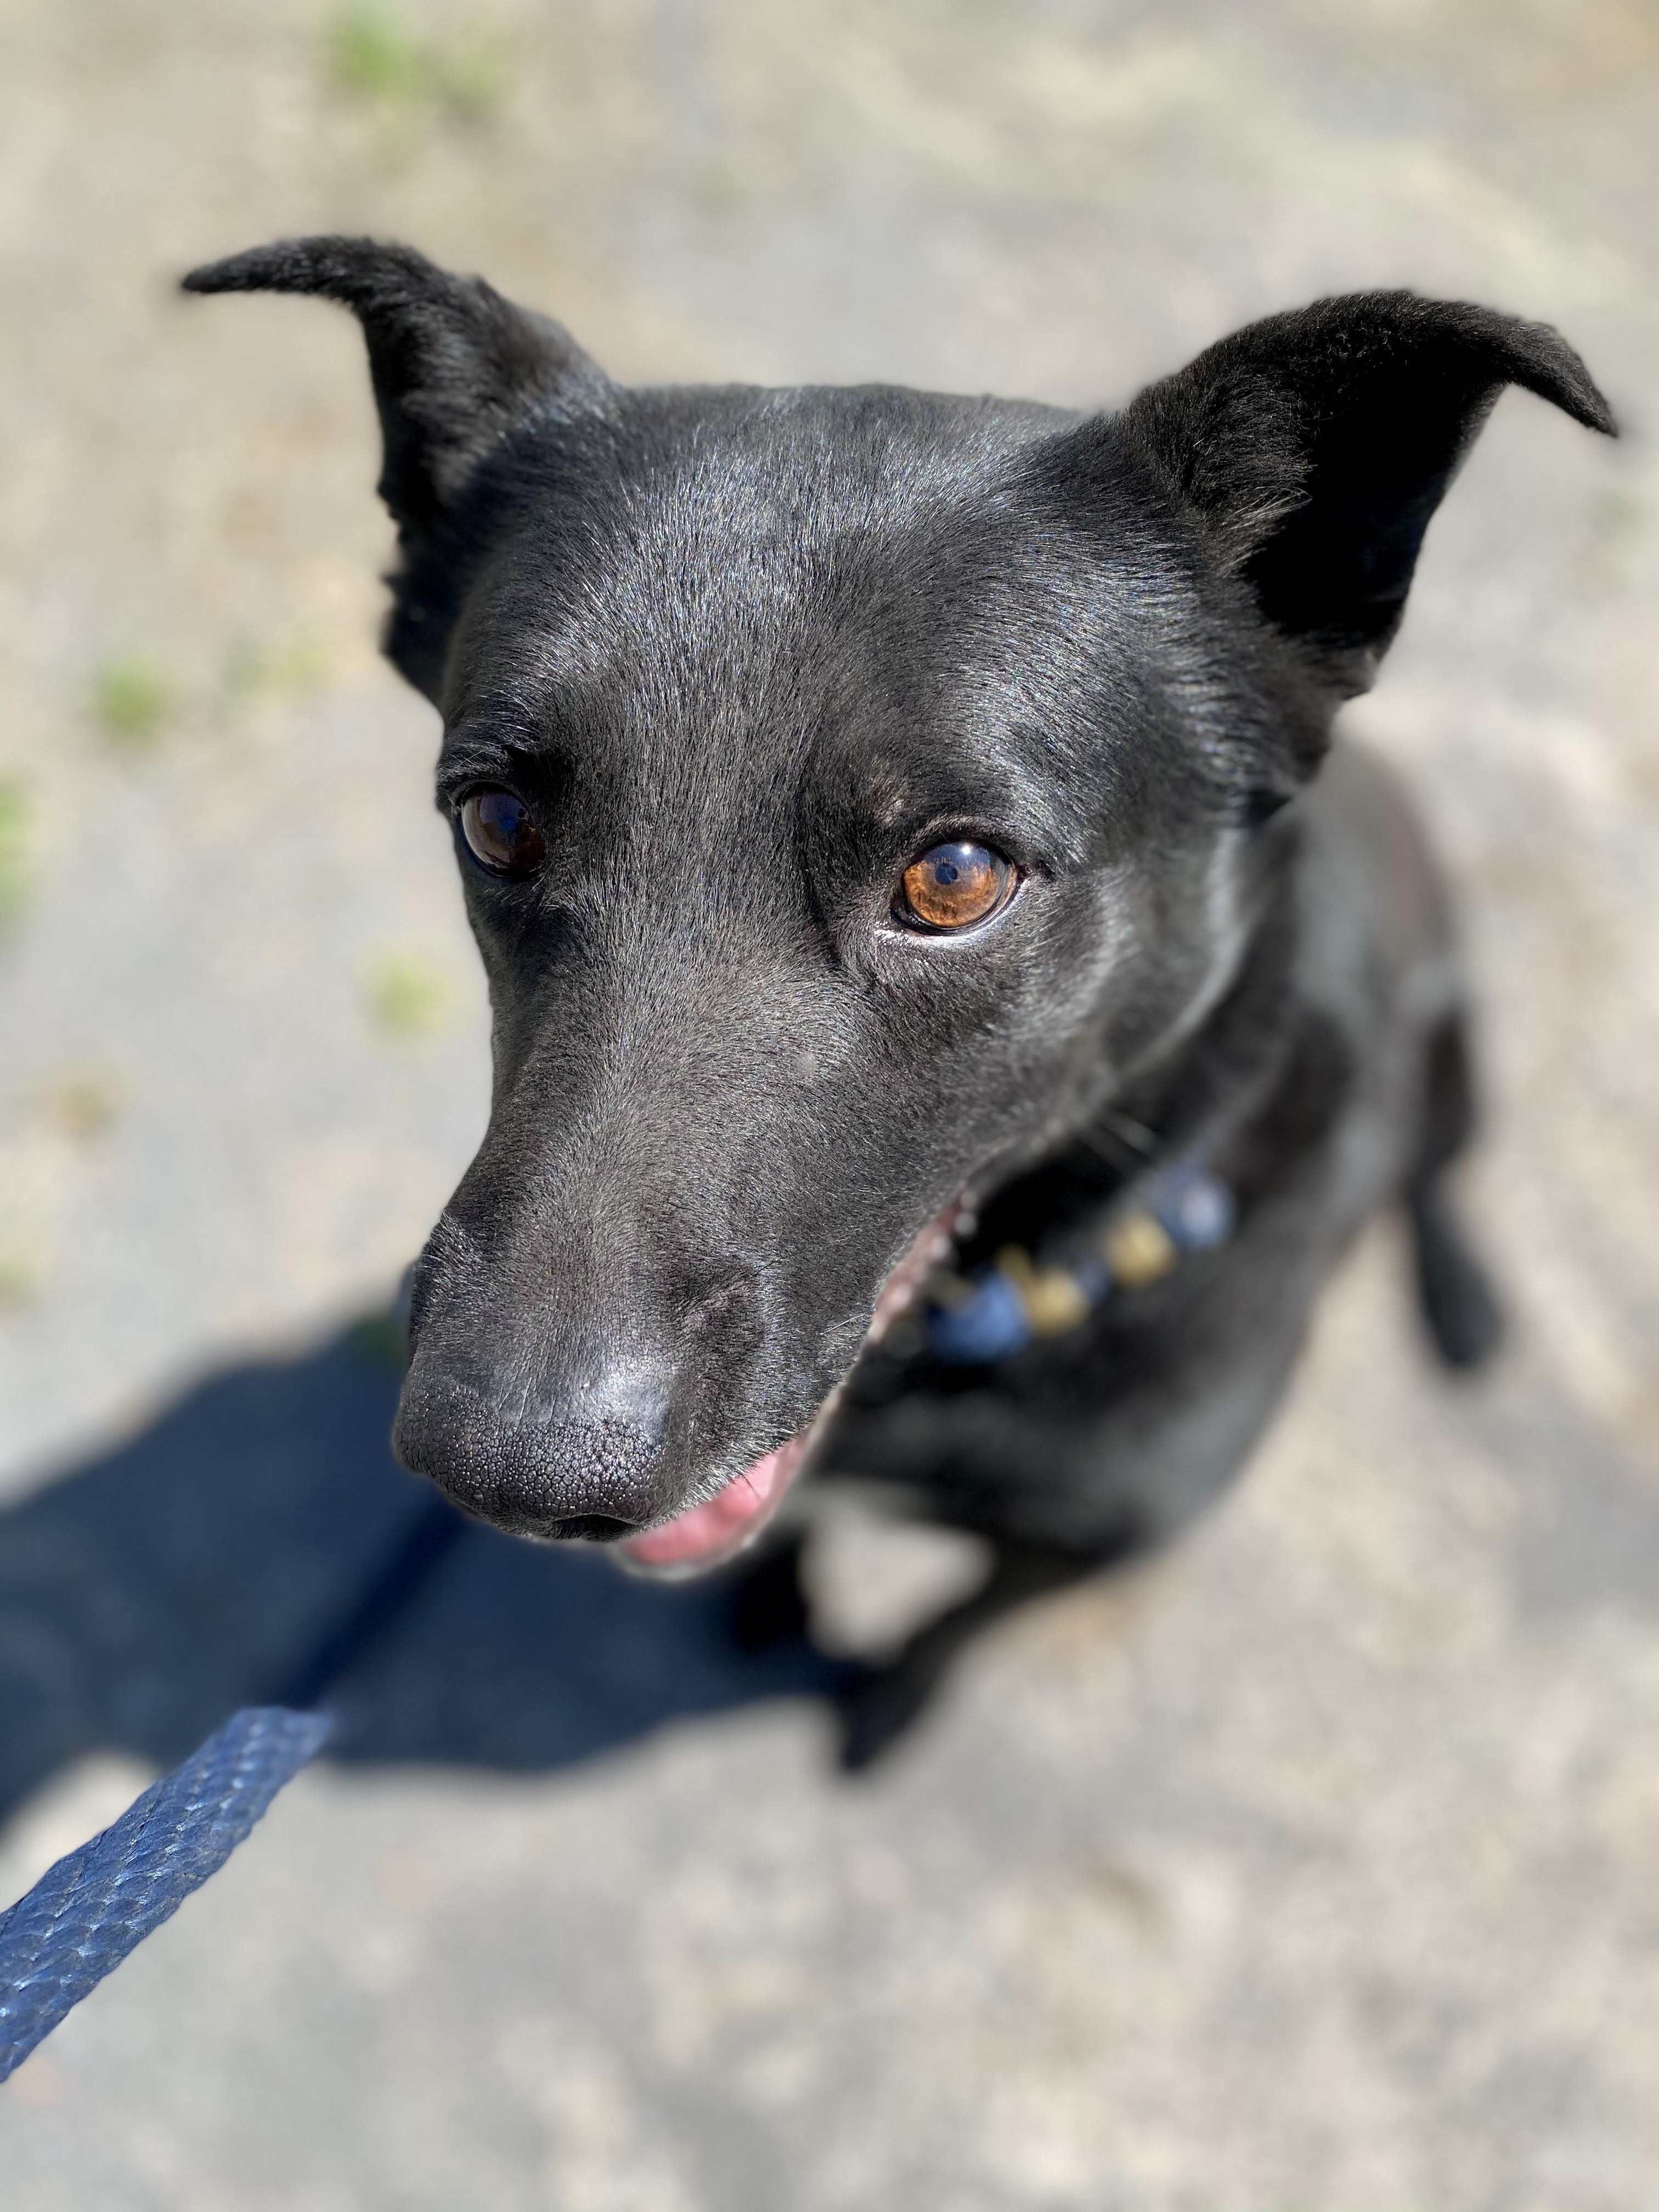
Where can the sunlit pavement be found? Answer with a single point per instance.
(1313, 1869)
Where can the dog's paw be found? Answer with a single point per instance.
(1462, 1311)
(1465, 1319)
(768, 1603)
(879, 1707)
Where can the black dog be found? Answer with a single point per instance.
(941, 1029)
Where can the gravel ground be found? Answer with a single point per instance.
(1311, 1872)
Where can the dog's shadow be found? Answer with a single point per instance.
(259, 1535)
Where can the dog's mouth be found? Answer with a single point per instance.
(707, 1535)
(703, 1535)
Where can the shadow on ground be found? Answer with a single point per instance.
(260, 1533)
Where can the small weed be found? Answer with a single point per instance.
(471, 79)
(717, 190)
(84, 1106)
(372, 57)
(13, 850)
(405, 996)
(1617, 512)
(131, 697)
(285, 668)
(22, 1278)
(380, 1341)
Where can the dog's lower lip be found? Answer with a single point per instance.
(706, 1534)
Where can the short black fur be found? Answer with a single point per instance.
(743, 654)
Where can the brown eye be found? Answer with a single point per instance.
(951, 885)
(501, 833)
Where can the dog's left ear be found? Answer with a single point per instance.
(455, 367)
(1314, 448)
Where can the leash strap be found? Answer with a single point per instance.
(85, 1913)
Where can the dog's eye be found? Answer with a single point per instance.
(501, 833)
(949, 886)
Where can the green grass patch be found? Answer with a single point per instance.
(369, 57)
(132, 695)
(22, 1279)
(378, 1341)
(256, 670)
(13, 850)
(84, 1105)
(405, 996)
(372, 56)
(1619, 511)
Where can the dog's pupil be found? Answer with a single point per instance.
(500, 832)
(951, 885)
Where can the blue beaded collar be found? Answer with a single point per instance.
(1001, 1307)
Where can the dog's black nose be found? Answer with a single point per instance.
(580, 1464)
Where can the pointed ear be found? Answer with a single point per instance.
(1314, 447)
(454, 366)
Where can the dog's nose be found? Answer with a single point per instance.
(580, 1466)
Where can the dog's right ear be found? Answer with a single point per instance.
(455, 367)
(1312, 449)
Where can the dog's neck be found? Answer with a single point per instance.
(1193, 1100)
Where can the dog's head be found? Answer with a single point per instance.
(851, 790)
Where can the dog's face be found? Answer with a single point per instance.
(836, 826)
(851, 790)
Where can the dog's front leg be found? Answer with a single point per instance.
(883, 1702)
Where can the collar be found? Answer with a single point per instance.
(1164, 1215)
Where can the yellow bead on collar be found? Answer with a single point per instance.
(1053, 1297)
(1139, 1250)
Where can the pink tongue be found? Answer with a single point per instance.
(707, 1531)
(712, 1532)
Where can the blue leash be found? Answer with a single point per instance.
(83, 1916)
(85, 1913)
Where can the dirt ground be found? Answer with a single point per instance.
(1313, 1872)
